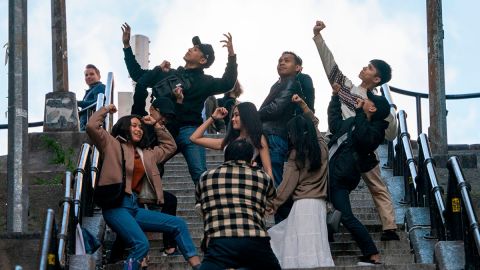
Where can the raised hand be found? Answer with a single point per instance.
(219, 113)
(178, 93)
(126, 35)
(111, 108)
(165, 66)
(319, 26)
(335, 89)
(149, 120)
(360, 103)
(228, 43)
(297, 99)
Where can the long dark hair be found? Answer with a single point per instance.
(122, 129)
(302, 137)
(250, 120)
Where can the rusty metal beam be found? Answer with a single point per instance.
(437, 132)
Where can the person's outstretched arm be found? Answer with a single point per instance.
(227, 82)
(212, 143)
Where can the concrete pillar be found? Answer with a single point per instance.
(17, 195)
(61, 111)
(437, 132)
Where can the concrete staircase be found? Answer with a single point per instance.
(395, 254)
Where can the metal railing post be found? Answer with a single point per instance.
(46, 258)
(418, 100)
(62, 236)
(433, 192)
(453, 214)
(472, 235)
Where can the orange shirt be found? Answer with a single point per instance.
(138, 173)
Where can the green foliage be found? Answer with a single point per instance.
(61, 155)
(57, 180)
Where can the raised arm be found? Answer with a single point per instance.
(134, 69)
(331, 68)
(335, 118)
(212, 143)
(227, 82)
(166, 144)
(95, 131)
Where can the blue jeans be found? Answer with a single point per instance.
(194, 154)
(278, 149)
(340, 198)
(130, 221)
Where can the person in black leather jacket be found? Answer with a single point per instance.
(351, 152)
(275, 112)
(189, 97)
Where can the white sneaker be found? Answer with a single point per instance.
(198, 210)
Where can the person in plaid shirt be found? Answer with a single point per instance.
(233, 200)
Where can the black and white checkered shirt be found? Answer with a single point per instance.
(233, 198)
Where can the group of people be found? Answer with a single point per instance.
(276, 161)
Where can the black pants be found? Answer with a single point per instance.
(340, 197)
(240, 252)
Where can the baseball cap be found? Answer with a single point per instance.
(206, 49)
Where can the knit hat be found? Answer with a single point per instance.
(206, 49)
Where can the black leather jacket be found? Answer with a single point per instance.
(278, 108)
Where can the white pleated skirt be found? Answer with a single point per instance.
(301, 240)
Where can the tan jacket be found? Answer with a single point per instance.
(109, 148)
(302, 184)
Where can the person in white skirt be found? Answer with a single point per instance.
(301, 240)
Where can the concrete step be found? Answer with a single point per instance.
(393, 262)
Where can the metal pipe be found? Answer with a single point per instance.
(47, 235)
(419, 114)
(466, 200)
(432, 175)
(65, 218)
(79, 172)
(388, 95)
(109, 100)
(405, 137)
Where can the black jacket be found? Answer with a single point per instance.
(202, 86)
(356, 155)
(278, 108)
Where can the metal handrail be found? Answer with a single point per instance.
(47, 238)
(437, 214)
(407, 165)
(78, 187)
(472, 248)
(62, 236)
(109, 100)
(385, 90)
(418, 96)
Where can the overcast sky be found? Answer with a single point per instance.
(357, 31)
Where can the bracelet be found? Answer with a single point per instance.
(213, 118)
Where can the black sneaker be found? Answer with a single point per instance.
(389, 235)
(365, 261)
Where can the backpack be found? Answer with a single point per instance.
(165, 87)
